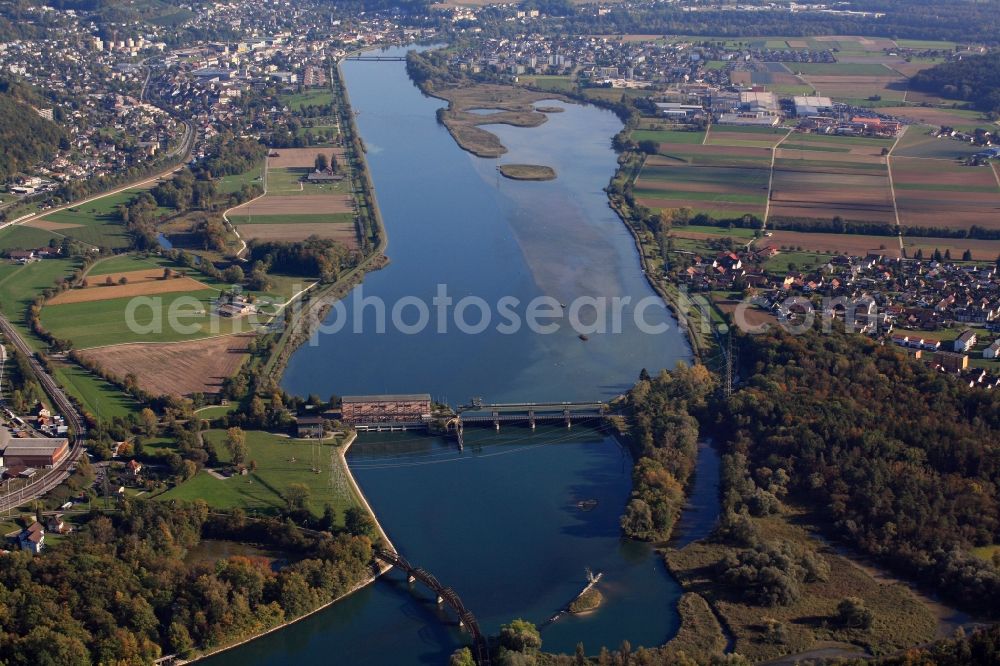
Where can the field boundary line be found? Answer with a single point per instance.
(770, 178)
(163, 342)
(225, 213)
(708, 130)
(993, 167)
(892, 186)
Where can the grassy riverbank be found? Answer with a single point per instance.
(302, 321)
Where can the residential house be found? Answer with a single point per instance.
(32, 538)
(965, 341)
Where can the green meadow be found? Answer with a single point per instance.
(280, 461)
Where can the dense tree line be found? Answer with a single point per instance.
(980, 648)
(25, 137)
(120, 591)
(228, 155)
(974, 78)
(666, 447)
(958, 20)
(321, 258)
(902, 462)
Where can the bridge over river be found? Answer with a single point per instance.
(362, 58)
(479, 413)
(445, 595)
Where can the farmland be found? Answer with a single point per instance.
(19, 285)
(293, 209)
(142, 309)
(126, 285)
(821, 184)
(126, 319)
(25, 238)
(97, 396)
(937, 193)
(181, 368)
(703, 181)
(95, 222)
(852, 244)
(816, 177)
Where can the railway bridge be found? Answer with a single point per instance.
(445, 595)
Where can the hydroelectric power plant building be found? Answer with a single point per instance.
(389, 410)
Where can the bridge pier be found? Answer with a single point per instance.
(411, 579)
(569, 419)
(440, 600)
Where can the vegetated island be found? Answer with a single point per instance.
(527, 172)
(514, 105)
(586, 602)
(549, 109)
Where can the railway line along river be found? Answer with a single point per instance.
(514, 521)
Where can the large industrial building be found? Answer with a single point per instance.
(806, 106)
(387, 409)
(31, 451)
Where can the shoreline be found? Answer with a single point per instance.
(301, 326)
(382, 566)
(671, 303)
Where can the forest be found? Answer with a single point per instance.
(962, 21)
(665, 437)
(25, 137)
(321, 258)
(974, 78)
(121, 589)
(897, 461)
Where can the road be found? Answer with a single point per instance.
(187, 143)
(78, 432)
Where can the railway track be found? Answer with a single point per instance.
(77, 430)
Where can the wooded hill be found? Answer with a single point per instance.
(898, 461)
(25, 137)
(974, 78)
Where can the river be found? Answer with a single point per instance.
(501, 523)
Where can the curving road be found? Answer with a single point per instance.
(77, 435)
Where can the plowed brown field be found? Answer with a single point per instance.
(306, 204)
(140, 283)
(181, 368)
(342, 233)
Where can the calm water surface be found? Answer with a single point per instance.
(500, 523)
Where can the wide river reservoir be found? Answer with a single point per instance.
(501, 523)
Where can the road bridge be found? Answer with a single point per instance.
(445, 595)
(477, 413)
(377, 58)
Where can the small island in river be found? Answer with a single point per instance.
(527, 172)
(586, 602)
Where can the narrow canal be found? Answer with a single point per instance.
(514, 522)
